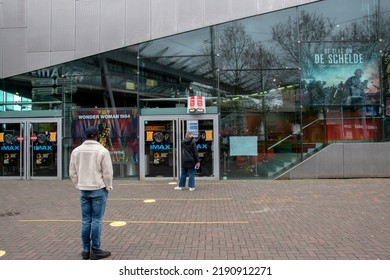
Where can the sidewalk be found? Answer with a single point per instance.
(235, 220)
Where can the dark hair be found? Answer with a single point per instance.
(91, 132)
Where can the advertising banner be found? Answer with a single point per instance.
(196, 104)
(117, 128)
(340, 74)
(353, 129)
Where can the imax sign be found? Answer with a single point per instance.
(10, 148)
(160, 147)
(168, 147)
(43, 148)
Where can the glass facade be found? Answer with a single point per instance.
(284, 85)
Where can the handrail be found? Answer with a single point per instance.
(292, 134)
(279, 142)
(306, 126)
(316, 120)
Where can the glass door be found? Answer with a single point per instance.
(12, 135)
(30, 148)
(43, 149)
(160, 148)
(203, 132)
(160, 145)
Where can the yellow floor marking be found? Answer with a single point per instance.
(149, 200)
(144, 184)
(187, 222)
(117, 224)
(189, 199)
(56, 221)
(2, 253)
(144, 222)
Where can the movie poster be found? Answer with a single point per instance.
(117, 129)
(341, 74)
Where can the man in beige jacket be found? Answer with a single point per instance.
(91, 172)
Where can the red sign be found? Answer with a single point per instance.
(33, 138)
(352, 129)
(191, 104)
(196, 104)
(200, 103)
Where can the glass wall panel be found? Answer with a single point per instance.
(385, 48)
(173, 68)
(334, 20)
(37, 90)
(106, 97)
(104, 86)
(385, 24)
(259, 86)
(341, 77)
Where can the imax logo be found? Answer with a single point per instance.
(201, 146)
(160, 147)
(10, 148)
(43, 148)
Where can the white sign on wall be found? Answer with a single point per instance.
(193, 126)
(243, 145)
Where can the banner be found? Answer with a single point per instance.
(117, 131)
(196, 104)
(353, 129)
(340, 74)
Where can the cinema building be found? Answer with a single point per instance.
(270, 89)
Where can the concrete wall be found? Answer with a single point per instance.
(345, 160)
(39, 33)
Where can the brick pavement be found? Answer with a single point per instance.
(235, 220)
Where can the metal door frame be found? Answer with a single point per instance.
(176, 155)
(26, 153)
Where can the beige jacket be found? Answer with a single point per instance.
(90, 166)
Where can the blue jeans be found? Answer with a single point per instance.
(93, 206)
(191, 177)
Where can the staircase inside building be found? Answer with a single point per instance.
(275, 162)
(279, 162)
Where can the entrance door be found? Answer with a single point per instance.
(30, 148)
(160, 145)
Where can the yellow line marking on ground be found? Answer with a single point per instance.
(149, 200)
(145, 222)
(151, 184)
(2, 253)
(117, 224)
(189, 199)
(56, 221)
(188, 222)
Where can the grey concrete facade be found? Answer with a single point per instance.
(345, 160)
(39, 33)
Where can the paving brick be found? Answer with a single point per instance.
(234, 220)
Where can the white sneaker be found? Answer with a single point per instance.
(192, 189)
(179, 188)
